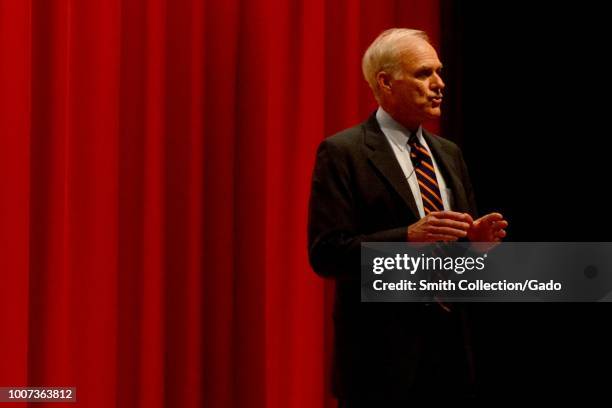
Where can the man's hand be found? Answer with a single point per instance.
(490, 228)
(440, 226)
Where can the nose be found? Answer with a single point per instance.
(437, 84)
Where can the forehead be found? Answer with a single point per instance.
(416, 53)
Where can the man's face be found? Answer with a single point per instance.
(416, 91)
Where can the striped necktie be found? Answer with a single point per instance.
(426, 176)
(430, 193)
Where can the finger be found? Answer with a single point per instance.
(500, 225)
(500, 233)
(491, 217)
(459, 233)
(453, 215)
(495, 228)
(440, 237)
(444, 222)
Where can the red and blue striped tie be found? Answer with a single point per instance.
(426, 176)
(430, 191)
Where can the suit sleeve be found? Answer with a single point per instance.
(334, 236)
(467, 184)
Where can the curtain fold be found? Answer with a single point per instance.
(155, 167)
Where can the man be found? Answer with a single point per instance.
(390, 180)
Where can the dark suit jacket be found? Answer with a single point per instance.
(360, 194)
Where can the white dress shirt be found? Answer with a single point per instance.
(398, 136)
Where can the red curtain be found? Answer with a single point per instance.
(155, 164)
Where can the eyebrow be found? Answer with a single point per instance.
(424, 67)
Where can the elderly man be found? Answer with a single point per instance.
(390, 180)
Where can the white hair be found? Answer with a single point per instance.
(384, 54)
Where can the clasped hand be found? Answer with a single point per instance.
(450, 226)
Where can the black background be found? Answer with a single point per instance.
(527, 99)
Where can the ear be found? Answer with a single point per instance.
(384, 82)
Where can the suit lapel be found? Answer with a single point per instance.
(382, 157)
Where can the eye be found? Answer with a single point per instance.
(424, 73)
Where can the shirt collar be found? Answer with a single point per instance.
(396, 133)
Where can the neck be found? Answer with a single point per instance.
(410, 125)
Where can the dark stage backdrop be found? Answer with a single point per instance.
(528, 90)
(155, 166)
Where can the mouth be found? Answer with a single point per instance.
(436, 100)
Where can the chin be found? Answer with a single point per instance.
(434, 113)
